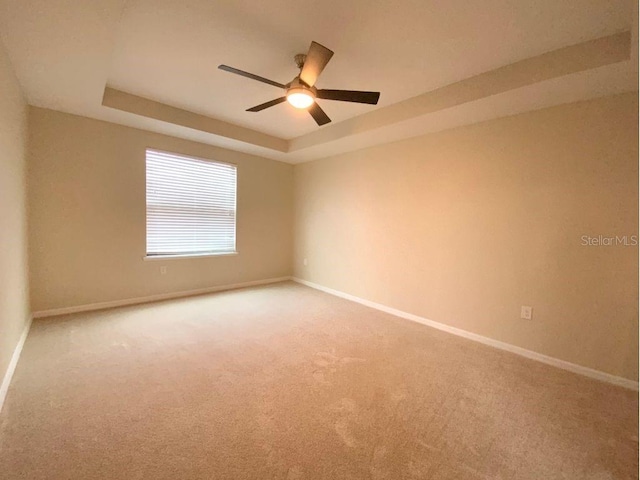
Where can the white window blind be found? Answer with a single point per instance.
(191, 205)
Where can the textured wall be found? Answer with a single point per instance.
(14, 298)
(465, 226)
(87, 213)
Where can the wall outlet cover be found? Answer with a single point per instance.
(526, 312)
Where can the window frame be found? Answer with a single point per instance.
(174, 256)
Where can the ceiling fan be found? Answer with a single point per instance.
(301, 92)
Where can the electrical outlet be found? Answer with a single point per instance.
(305, 262)
(163, 270)
(526, 312)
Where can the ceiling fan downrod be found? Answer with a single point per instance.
(299, 59)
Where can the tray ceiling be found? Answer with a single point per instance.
(167, 51)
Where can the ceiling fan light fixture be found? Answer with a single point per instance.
(300, 97)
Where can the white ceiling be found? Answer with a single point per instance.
(65, 52)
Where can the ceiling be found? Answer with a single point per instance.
(66, 52)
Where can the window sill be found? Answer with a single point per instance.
(186, 256)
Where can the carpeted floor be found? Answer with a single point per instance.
(284, 382)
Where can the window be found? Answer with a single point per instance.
(191, 206)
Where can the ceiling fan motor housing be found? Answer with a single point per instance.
(301, 87)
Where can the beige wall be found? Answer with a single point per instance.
(14, 302)
(465, 226)
(87, 215)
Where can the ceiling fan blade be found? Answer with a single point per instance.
(227, 68)
(318, 114)
(350, 96)
(317, 58)
(262, 106)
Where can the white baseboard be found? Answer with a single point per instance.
(8, 375)
(153, 298)
(572, 367)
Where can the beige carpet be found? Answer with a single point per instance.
(284, 382)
